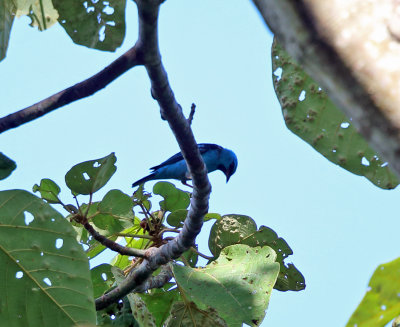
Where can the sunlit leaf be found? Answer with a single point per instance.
(238, 285)
(41, 12)
(311, 115)
(381, 303)
(240, 229)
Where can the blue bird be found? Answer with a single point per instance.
(215, 158)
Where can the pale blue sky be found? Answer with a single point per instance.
(217, 54)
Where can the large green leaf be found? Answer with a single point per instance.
(240, 229)
(238, 285)
(381, 303)
(7, 13)
(6, 166)
(45, 279)
(90, 176)
(174, 198)
(96, 24)
(189, 315)
(311, 115)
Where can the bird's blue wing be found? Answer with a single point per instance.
(203, 147)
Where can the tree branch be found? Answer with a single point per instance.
(76, 92)
(148, 51)
(331, 42)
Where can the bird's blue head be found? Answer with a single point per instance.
(228, 163)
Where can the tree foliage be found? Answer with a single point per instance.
(155, 278)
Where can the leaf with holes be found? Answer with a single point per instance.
(240, 229)
(48, 190)
(41, 12)
(94, 24)
(238, 285)
(188, 314)
(7, 13)
(174, 198)
(381, 302)
(7, 166)
(311, 115)
(42, 267)
(102, 279)
(90, 176)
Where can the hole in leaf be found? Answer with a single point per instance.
(90, 9)
(52, 219)
(96, 164)
(19, 275)
(383, 307)
(86, 176)
(59, 243)
(41, 254)
(102, 34)
(302, 95)
(345, 124)
(104, 276)
(384, 164)
(112, 23)
(28, 218)
(112, 317)
(364, 161)
(278, 73)
(108, 10)
(47, 281)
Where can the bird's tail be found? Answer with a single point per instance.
(144, 179)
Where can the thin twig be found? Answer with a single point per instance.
(191, 115)
(113, 245)
(201, 254)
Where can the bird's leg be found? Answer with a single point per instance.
(185, 183)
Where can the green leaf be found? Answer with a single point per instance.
(48, 189)
(138, 306)
(174, 199)
(90, 176)
(240, 229)
(7, 13)
(177, 217)
(311, 115)
(114, 212)
(6, 166)
(102, 279)
(94, 24)
(41, 12)
(381, 302)
(44, 271)
(238, 285)
(189, 315)
(159, 303)
(211, 215)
